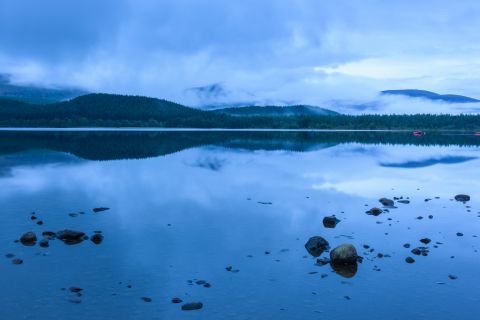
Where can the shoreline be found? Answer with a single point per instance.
(140, 129)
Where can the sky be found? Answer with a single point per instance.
(263, 51)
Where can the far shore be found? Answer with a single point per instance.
(205, 129)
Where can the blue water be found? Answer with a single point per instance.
(189, 212)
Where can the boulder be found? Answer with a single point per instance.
(344, 254)
(317, 245)
(330, 222)
(345, 270)
(28, 239)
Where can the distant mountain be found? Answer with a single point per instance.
(413, 93)
(34, 94)
(276, 111)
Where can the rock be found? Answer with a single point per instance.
(317, 245)
(44, 243)
(75, 289)
(386, 202)
(50, 235)
(192, 306)
(374, 212)
(28, 239)
(17, 261)
(100, 209)
(322, 261)
(452, 277)
(425, 241)
(406, 245)
(420, 251)
(70, 236)
(404, 201)
(146, 299)
(229, 268)
(344, 254)
(40, 223)
(462, 197)
(9, 255)
(97, 238)
(330, 222)
(177, 300)
(459, 234)
(410, 260)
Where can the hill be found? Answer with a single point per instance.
(33, 94)
(276, 111)
(413, 93)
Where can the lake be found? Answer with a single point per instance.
(222, 218)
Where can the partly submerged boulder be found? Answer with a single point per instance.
(317, 245)
(344, 254)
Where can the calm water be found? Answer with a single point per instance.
(185, 205)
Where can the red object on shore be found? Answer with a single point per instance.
(418, 133)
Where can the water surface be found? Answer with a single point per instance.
(186, 205)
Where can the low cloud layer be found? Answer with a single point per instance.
(292, 51)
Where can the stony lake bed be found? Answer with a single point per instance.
(187, 225)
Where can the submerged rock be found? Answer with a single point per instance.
(44, 243)
(50, 235)
(70, 236)
(386, 202)
(462, 197)
(374, 211)
(177, 300)
(330, 222)
(344, 254)
(410, 260)
(100, 209)
(192, 306)
(425, 241)
(28, 239)
(97, 238)
(316, 246)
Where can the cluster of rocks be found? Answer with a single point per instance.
(343, 259)
(69, 237)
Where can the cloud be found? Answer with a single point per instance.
(301, 51)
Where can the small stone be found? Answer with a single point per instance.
(462, 198)
(75, 289)
(452, 277)
(406, 245)
(374, 212)
(40, 223)
(100, 209)
(44, 243)
(146, 299)
(17, 261)
(386, 202)
(28, 239)
(330, 222)
(97, 238)
(177, 300)
(410, 260)
(425, 241)
(192, 306)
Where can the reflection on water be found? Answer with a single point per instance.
(234, 211)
